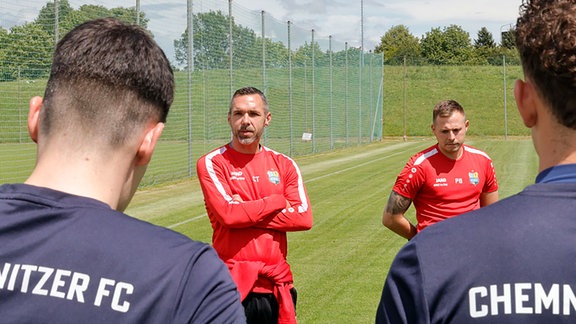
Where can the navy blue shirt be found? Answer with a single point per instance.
(71, 259)
(510, 262)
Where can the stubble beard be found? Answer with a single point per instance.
(246, 140)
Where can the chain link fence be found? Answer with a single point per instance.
(324, 94)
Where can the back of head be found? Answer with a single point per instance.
(108, 80)
(546, 41)
(446, 108)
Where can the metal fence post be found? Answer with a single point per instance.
(190, 70)
(264, 81)
(346, 90)
(313, 97)
(290, 92)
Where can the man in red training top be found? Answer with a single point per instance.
(253, 196)
(444, 180)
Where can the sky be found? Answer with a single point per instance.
(358, 22)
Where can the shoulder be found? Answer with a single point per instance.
(277, 155)
(214, 153)
(156, 245)
(424, 155)
(476, 152)
(268, 151)
(207, 161)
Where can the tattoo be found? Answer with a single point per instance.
(397, 204)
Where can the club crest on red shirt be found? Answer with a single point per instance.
(474, 178)
(274, 177)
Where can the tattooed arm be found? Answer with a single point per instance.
(393, 216)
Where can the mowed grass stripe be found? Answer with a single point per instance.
(340, 264)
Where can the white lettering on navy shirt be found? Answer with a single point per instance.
(65, 284)
(521, 298)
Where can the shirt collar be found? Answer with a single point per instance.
(558, 173)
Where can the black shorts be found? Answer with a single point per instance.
(263, 308)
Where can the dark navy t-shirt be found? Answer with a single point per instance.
(71, 259)
(510, 262)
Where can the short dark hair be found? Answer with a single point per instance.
(249, 91)
(445, 108)
(545, 38)
(107, 79)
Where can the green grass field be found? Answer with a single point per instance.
(478, 88)
(340, 264)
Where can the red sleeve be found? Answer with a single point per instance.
(299, 216)
(218, 197)
(410, 179)
(491, 183)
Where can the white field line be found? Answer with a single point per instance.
(188, 220)
(352, 167)
(319, 164)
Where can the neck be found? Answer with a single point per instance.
(251, 148)
(85, 175)
(554, 143)
(453, 155)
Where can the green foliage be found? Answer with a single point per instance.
(47, 15)
(450, 45)
(398, 43)
(276, 53)
(446, 46)
(68, 18)
(211, 48)
(26, 51)
(485, 39)
(4, 40)
(508, 39)
(304, 54)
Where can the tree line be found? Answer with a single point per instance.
(447, 46)
(26, 50)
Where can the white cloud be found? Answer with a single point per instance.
(339, 18)
(342, 18)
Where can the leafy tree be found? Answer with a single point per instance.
(352, 55)
(211, 46)
(129, 15)
(484, 39)
(47, 16)
(276, 53)
(4, 40)
(69, 18)
(508, 40)
(88, 12)
(304, 55)
(485, 50)
(396, 43)
(27, 49)
(448, 46)
(28, 52)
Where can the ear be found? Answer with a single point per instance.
(525, 95)
(148, 144)
(467, 123)
(268, 119)
(34, 117)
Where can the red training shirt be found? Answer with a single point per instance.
(441, 187)
(254, 230)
